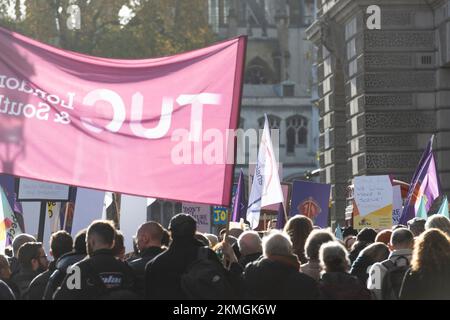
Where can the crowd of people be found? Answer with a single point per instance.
(301, 261)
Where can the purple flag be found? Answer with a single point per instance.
(312, 200)
(281, 218)
(8, 184)
(425, 182)
(239, 203)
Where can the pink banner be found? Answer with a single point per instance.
(141, 127)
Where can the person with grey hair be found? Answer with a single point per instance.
(250, 247)
(277, 274)
(18, 241)
(336, 283)
(440, 222)
(312, 246)
(385, 278)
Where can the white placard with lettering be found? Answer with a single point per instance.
(372, 193)
(201, 214)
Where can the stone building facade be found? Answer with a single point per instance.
(278, 76)
(382, 92)
(278, 81)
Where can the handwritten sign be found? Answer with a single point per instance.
(372, 193)
(373, 199)
(201, 213)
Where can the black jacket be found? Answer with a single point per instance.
(101, 275)
(59, 273)
(278, 278)
(38, 285)
(6, 292)
(342, 286)
(163, 273)
(417, 286)
(360, 268)
(23, 280)
(244, 260)
(14, 265)
(138, 266)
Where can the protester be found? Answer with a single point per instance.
(102, 275)
(417, 226)
(61, 242)
(364, 238)
(313, 243)
(385, 278)
(439, 222)
(5, 276)
(148, 240)
(277, 274)
(384, 236)
(119, 246)
(429, 275)
(77, 254)
(33, 261)
(375, 252)
(335, 282)
(298, 228)
(18, 241)
(168, 275)
(250, 247)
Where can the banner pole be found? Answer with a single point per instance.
(40, 236)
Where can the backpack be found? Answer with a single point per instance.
(105, 293)
(392, 281)
(206, 279)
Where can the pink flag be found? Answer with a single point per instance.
(141, 127)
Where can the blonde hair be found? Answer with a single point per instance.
(431, 252)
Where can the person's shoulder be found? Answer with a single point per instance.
(40, 278)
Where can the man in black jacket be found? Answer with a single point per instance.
(101, 275)
(65, 261)
(33, 261)
(163, 274)
(60, 243)
(148, 240)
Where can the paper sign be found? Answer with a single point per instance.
(201, 214)
(396, 204)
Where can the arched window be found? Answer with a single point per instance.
(290, 140)
(296, 133)
(258, 72)
(274, 122)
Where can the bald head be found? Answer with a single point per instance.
(249, 243)
(149, 234)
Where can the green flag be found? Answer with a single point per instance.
(444, 208)
(422, 211)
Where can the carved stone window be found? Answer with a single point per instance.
(296, 133)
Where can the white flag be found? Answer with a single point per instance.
(266, 186)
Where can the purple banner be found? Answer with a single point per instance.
(312, 200)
